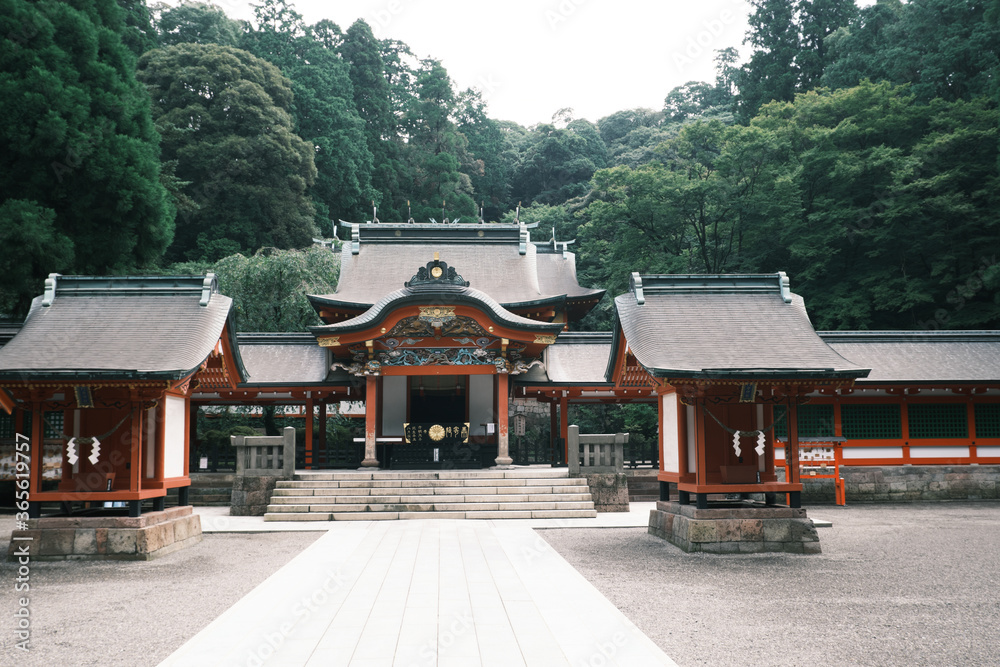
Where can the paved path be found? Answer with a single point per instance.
(423, 592)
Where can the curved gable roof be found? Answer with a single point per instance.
(123, 327)
(497, 259)
(724, 326)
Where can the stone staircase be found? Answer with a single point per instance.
(208, 489)
(519, 493)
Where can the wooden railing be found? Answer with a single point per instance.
(596, 453)
(265, 455)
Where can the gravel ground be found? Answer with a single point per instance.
(895, 585)
(135, 613)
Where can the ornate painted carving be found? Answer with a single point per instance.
(423, 325)
(437, 273)
(436, 312)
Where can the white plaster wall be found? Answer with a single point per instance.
(921, 452)
(174, 411)
(668, 427)
(873, 453)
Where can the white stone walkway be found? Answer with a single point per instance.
(423, 593)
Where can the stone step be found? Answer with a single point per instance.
(385, 495)
(432, 491)
(430, 507)
(443, 483)
(429, 500)
(475, 514)
(553, 473)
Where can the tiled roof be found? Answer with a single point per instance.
(557, 274)
(921, 356)
(575, 358)
(281, 358)
(8, 330)
(497, 259)
(444, 295)
(123, 327)
(724, 326)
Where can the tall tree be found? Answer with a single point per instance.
(493, 154)
(557, 164)
(436, 149)
(372, 100)
(710, 207)
(269, 287)
(897, 227)
(323, 108)
(197, 23)
(944, 48)
(225, 117)
(771, 73)
(139, 35)
(817, 20)
(78, 148)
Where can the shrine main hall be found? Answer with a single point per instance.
(436, 331)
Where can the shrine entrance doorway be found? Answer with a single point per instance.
(436, 434)
(439, 399)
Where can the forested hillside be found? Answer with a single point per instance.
(856, 149)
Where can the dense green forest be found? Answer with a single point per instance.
(856, 149)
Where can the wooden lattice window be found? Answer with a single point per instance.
(6, 426)
(815, 421)
(987, 420)
(871, 422)
(938, 420)
(53, 425)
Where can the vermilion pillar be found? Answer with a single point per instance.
(371, 422)
(503, 447)
(310, 409)
(564, 424)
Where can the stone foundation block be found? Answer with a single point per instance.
(735, 529)
(110, 537)
(251, 495)
(906, 483)
(609, 491)
(85, 542)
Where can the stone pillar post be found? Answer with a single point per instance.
(503, 459)
(371, 422)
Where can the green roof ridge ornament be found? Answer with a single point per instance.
(355, 235)
(207, 287)
(50, 289)
(786, 289)
(636, 287)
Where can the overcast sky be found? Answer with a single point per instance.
(531, 58)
